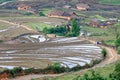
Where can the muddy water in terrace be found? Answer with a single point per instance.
(63, 50)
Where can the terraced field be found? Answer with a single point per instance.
(69, 52)
(9, 30)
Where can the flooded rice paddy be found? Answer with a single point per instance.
(40, 52)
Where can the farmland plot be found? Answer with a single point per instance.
(8, 31)
(69, 52)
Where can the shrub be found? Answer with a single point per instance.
(70, 34)
(75, 27)
(116, 73)
(117, 43)
(1, 41)
(26, 13)
(56, 30)
(29, 71)
(94, 76)
(32, 79)
(56, 68)
(119, 51)
(76, 68)
(104, 52)
(16, 71)
(41, 14)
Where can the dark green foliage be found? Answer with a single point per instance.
(76, 68)
(55, 30)
(75, 30)
(119, 51)
(116, 73)
(117, 43)
(61, 30)
(16, 71)
(104, 52)
(32, 79)
(93, 76)
(29, 71)
(1, 41)
(41, 13)
(70, 34)
(26, 13)
(57, 68)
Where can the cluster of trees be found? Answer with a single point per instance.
(93, 76)
(117, 44)
(41, 13)
(54, 68)
(62, 30)
(115, 75)
(117, 35)
(59, 30)
(75, 30)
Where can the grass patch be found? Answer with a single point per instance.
(110, 2)
(45, 11)
(98, 17)
(38, 26)
(105, 34)
(110, 42)
(4, 25)
(103, 71)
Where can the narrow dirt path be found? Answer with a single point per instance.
(112, 55)
(17, 24)
(29, 77)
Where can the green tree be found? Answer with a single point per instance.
(117, 43)
(116, 73)
(104, 52)
(41, 13)
(16, 71)
(93, 76)
(75, 28)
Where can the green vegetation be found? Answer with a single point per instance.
(109, 72)
(111, 2)
(56, 67)
(96, 76)
(116, 73)
(93, 76)
(27, 13)
(75, 31)
(108, 35)
(98, 17)
(29, 71)
(59, 30)
(110, 42)
(117, 43)
(63, 31)
(1, 41)
(44, 11)
(38, 26)
(41, 14)
(104, 52)
(16, 71)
